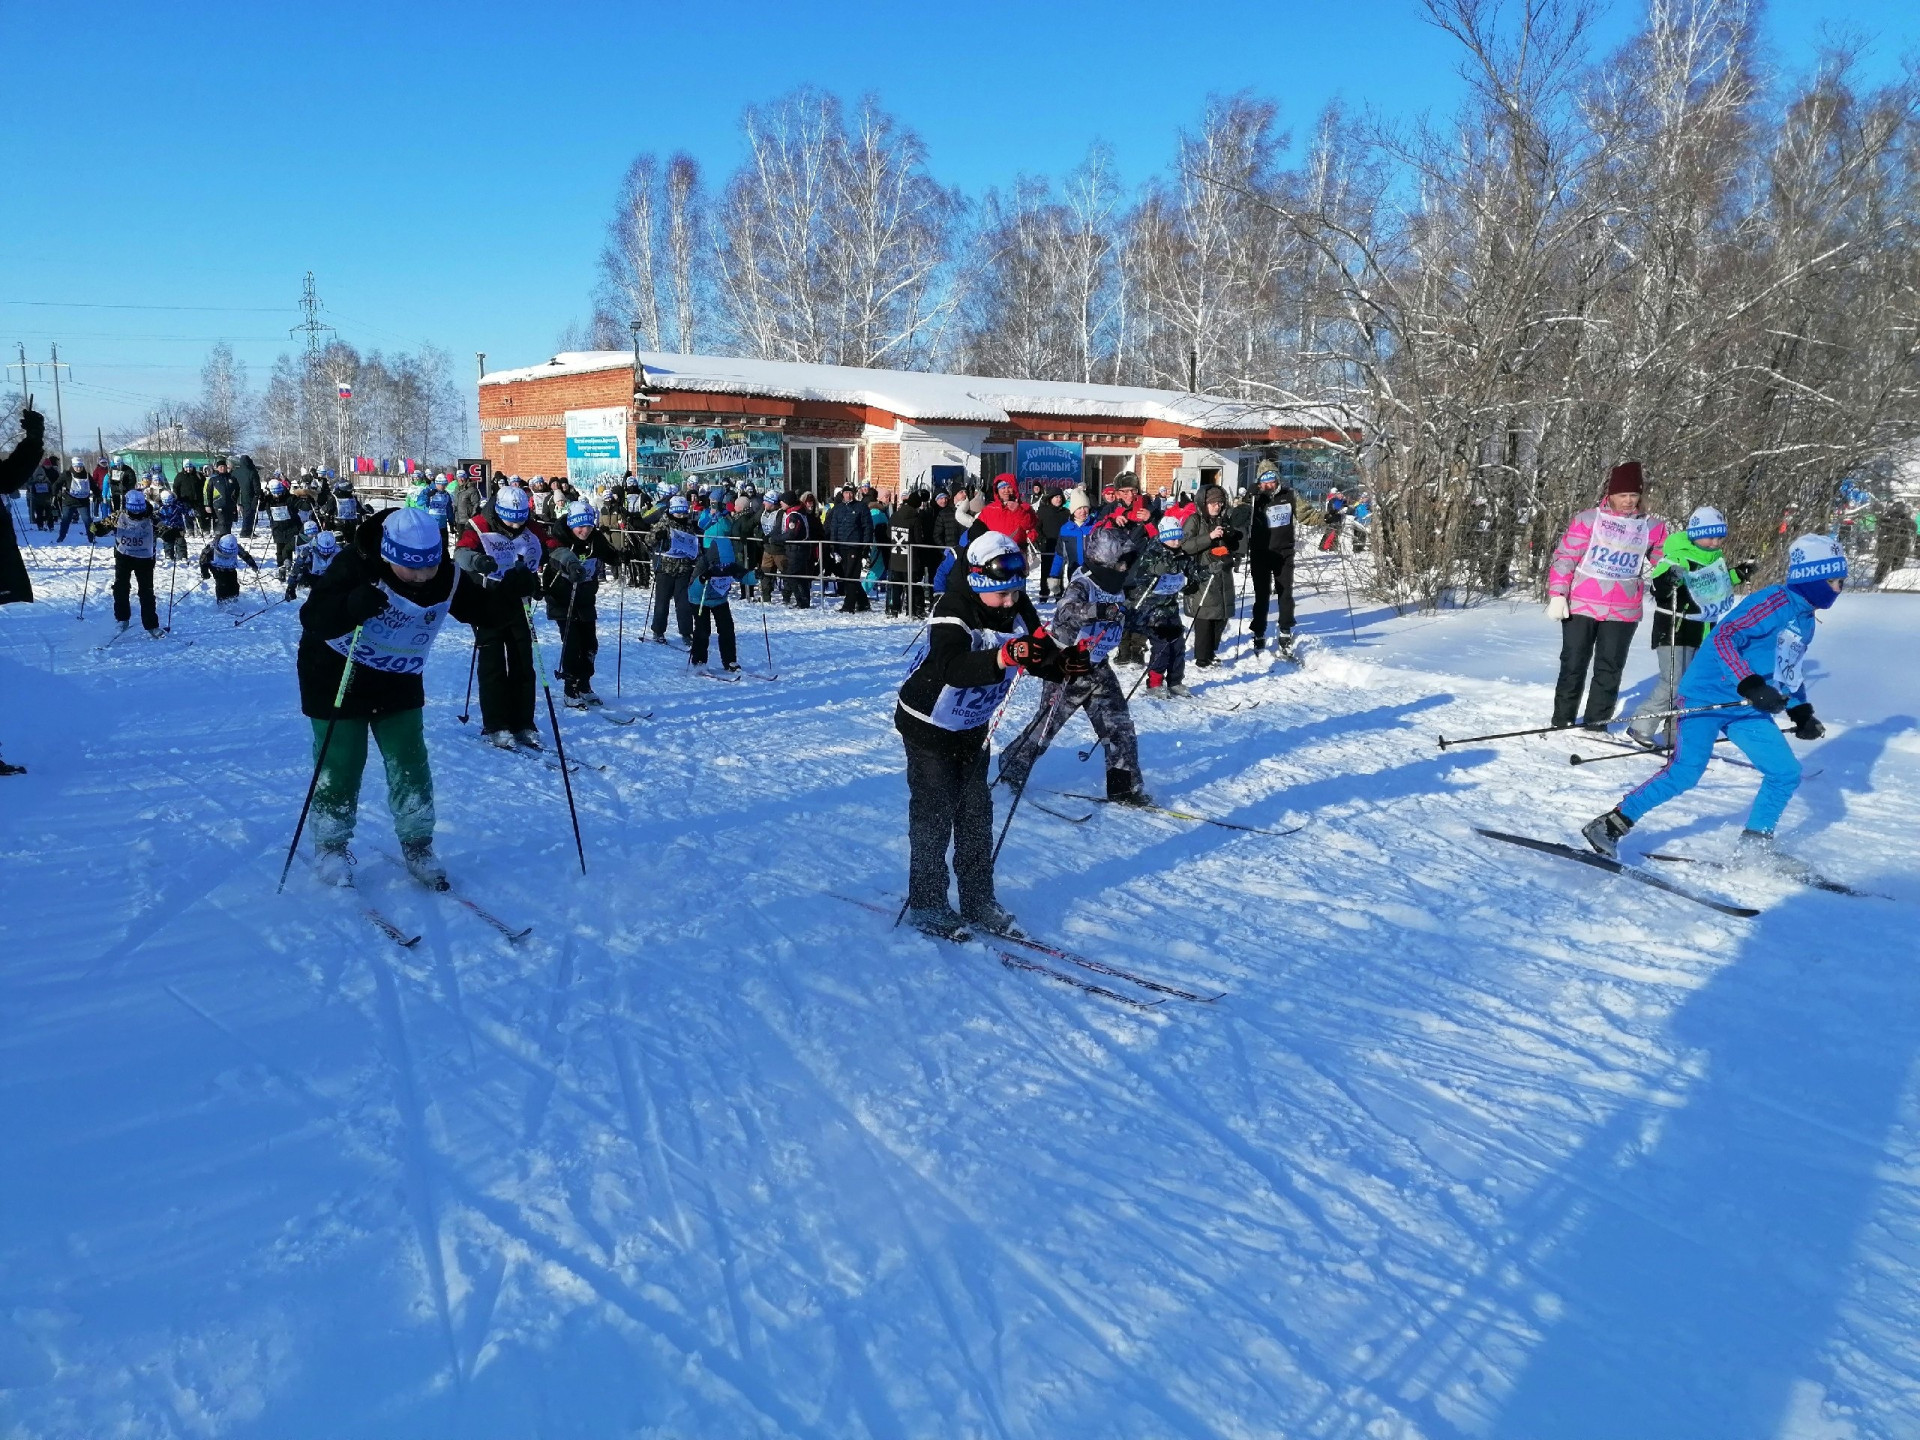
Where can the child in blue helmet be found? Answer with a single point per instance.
(134, 534)
(580, 557)
(221, 562)
(676, 545)
(1751, 664)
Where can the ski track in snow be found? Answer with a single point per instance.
(1478, 1143)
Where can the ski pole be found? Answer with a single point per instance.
(620, 638)
(173, 579)
(326, 742)
(559, 745)
(88, 582)
(1005, 701)
(271, 605)
(1021, 790)
(1555, 729)
(767, 636)
(473, 660)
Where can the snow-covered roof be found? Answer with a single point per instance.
(164, 441)
(917, 395)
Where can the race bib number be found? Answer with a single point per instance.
(719, 587)
(636, 503)
(508, 550)
(398, 638)
(1616, 550)
(78, 489)
(1789, 651)
(134, 538)
(281, 512)
(683, 544)
(973, 705)
(1171, 583)
(1712, 590)
(348, 508)
(1279, 515)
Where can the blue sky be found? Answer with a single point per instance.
(445, 170)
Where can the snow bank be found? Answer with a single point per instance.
(1477, 1143)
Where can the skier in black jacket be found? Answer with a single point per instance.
(246, 478)
(581, 555)
(1266, 519)
(394, 588)
(982, 631)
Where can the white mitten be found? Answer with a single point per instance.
(1556, 607)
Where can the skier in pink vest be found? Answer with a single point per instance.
(1595, 588)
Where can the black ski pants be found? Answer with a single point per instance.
(948, 803)
(286, 538)
(73, 510)
(1605, 644)
(1206, 640)
(126, 570)
(799, 591)
(670, 587)
(579, 644)
(716, 620)
(506, 675)
(853, 569)
(1272, 576)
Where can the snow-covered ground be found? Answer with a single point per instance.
(1479, 1143)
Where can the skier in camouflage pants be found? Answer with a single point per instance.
(1091, 614)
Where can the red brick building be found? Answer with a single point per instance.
(816, 427)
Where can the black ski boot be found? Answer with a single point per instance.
(939, 921)
(994, 918)
(1604, 833)
(1259, 643)
(1123, 788)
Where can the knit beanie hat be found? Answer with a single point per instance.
(1625, 479)
(580, 513)
(1815, 557)
(511, 504)
(411, 538)
(1172, 528)
(1706, 523)
(325, 544)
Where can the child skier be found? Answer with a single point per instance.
(1090, 618)
(394, 588)
(676, 545)
(579, 557)
(1753, 663)
(340, 507)
(503, 548)
(221, 561)
(980, 633)
(170, 524)
(284, 516)
(714, 572)
(311, 561)
(1692, 588)
(132, 528)
(1154, 586)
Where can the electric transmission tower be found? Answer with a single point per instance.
(312, 328)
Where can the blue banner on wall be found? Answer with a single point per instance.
(1055, 463)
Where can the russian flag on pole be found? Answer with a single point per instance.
(346, 390)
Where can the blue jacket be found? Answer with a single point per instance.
(715, 571)
(1766, 634)
(1072, 553)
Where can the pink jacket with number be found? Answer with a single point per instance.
(1601, 597)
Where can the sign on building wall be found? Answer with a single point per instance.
(723, 452)
(1054, 463)
(596, 447)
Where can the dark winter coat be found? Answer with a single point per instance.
(943, 527)
(597, 555)
(850, 522)
(246, 479)
(190, 489)
(223, 491)
(800, 528)
(1212, 595)
(324, 617)
(1250, 519)
(1152, 592)
(1049, 515)
(491, 605)
(15, 470)
(961, 660)
(903, 535)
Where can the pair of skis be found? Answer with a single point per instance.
(1170, 813)
(994, 945)
(1803, 874)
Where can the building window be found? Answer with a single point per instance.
(992, 463)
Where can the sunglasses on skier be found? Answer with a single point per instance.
(1010, 566)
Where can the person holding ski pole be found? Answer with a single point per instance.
(714, 572)
(581, 555)
(1089, 621)
(502, 549)
(982, 634)
(394, 586)
(311, 561)
(1595, 590)
(1692, 588)
(1158, 578)
(1754, 662)
(132, 528)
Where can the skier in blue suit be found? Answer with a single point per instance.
(1751, 664)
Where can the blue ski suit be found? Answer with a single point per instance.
(1766, 634)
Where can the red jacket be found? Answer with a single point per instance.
(1015, 521)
